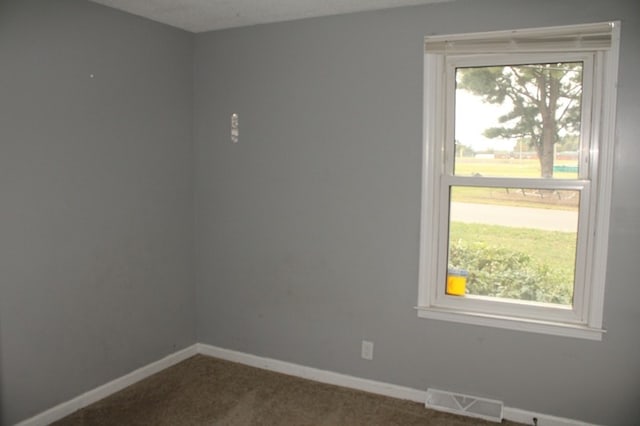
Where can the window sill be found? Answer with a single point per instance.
(512, 323)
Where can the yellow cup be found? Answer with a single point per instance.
(456, 282)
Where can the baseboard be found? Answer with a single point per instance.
(526, 417)
(94, 395)
(322, 376)
(380, 388)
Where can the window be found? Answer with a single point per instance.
(517, 165)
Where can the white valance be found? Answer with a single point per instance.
(566, 38)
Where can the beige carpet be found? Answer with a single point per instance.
(208, 391)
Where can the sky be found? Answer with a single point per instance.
(472, 118)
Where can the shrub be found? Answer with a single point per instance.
(499, 272)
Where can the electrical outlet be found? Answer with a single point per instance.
(367, 350)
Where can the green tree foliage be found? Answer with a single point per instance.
(568, 143)
(463, 150)
(498, 272)
(545, 101)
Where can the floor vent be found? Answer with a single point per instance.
(465, 405)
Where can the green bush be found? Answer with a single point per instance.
(499, 272)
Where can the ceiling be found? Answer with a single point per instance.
(206, 15)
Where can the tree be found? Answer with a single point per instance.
(463, 150)
(568, 143)
(545, 101)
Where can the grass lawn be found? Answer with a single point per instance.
(510, 167)
(558, 251)
(561, 200)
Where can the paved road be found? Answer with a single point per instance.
(519, 217)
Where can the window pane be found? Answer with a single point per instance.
(518, 120)
(513, 244)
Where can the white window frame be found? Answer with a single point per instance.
(597, 46)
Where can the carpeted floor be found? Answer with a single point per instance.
(208, 391)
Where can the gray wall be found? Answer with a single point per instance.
(307, 230)
(96, 199)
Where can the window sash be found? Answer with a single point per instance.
(512, 307)
(451, 63)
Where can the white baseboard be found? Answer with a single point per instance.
(323, 376)
(526, 417)
(103, 391)
(315, 374)
(380, 388)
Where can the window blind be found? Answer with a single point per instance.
(567, 38)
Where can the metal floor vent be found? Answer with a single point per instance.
(465, 405)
